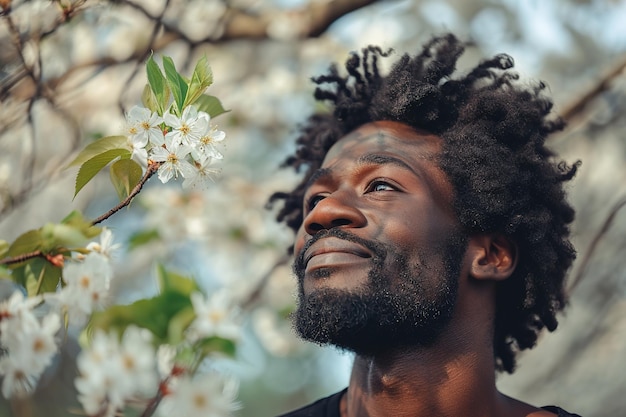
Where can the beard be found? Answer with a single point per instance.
(403, 303)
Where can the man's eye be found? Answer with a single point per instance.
(312, 202)
(380, 186)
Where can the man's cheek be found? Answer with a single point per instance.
(298, 243)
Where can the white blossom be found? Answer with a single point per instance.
(16, 382)
(17, 314)
(106, 246)
(189, 128)
(139, 153)
(205, 395)
(113, 372)
(205, 148)
(137, 362)
(200, 175)
(95, 378)
(165, 359)
(87, 285)
(28, 344)
(173, 157)
(37, 347)
(143, 126)
(215, 316)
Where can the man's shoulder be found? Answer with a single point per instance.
(559, 411)
(326, 407)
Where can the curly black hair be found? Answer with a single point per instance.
(505, 179)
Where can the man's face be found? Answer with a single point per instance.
(378, 254)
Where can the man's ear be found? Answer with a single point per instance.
(493, 256)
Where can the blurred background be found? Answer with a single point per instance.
(69, 69)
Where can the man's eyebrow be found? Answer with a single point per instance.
(367, 159)
(379, 159)
(318, 175)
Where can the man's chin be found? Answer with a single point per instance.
(365, 325)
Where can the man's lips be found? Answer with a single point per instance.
(334, 248)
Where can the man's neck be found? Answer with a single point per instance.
(425, 383)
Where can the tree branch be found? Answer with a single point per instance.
(152, 169)
(21, 258)
(577, 106)
(158, 23)
(256, 293)
(314, 19)
(594, 243)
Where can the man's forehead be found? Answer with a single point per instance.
(384, 135)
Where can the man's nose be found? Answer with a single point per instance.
(336, 210)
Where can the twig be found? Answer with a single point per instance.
(153, 404)
(594, 243)
(21, 258)
(152, 169)
(314, 19)
(577, 106)
(256, 293)
(155, 32)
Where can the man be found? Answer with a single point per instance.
(431, 232)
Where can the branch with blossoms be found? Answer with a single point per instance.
(147, 353)
(173, 130)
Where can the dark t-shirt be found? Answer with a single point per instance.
(329, 407)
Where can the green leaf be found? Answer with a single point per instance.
(149, 100)
(153, 314)
(178, 324)
(166, 315)
(26, 243)
(210, 104)
(201, 79)
(176, 82)
(170, 281)
(78, 221)
(38, 276)
(19, 275)
(155, 76)
(61, 236)
(157, 83)
(203, 72)
(4, 248)
(73, 231)
(125, 175)
(5, 273)
(159, 87)
(99, 146)
(90, 168)
(143, 237)
(217, 344)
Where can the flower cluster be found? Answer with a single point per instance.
(87, 280)
(203, 395)
(28, 343)
(185, 145)
(114, 371)
(215, 316)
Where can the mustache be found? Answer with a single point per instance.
(378, 250)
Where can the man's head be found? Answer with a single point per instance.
(487, 137)
(379, 250)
